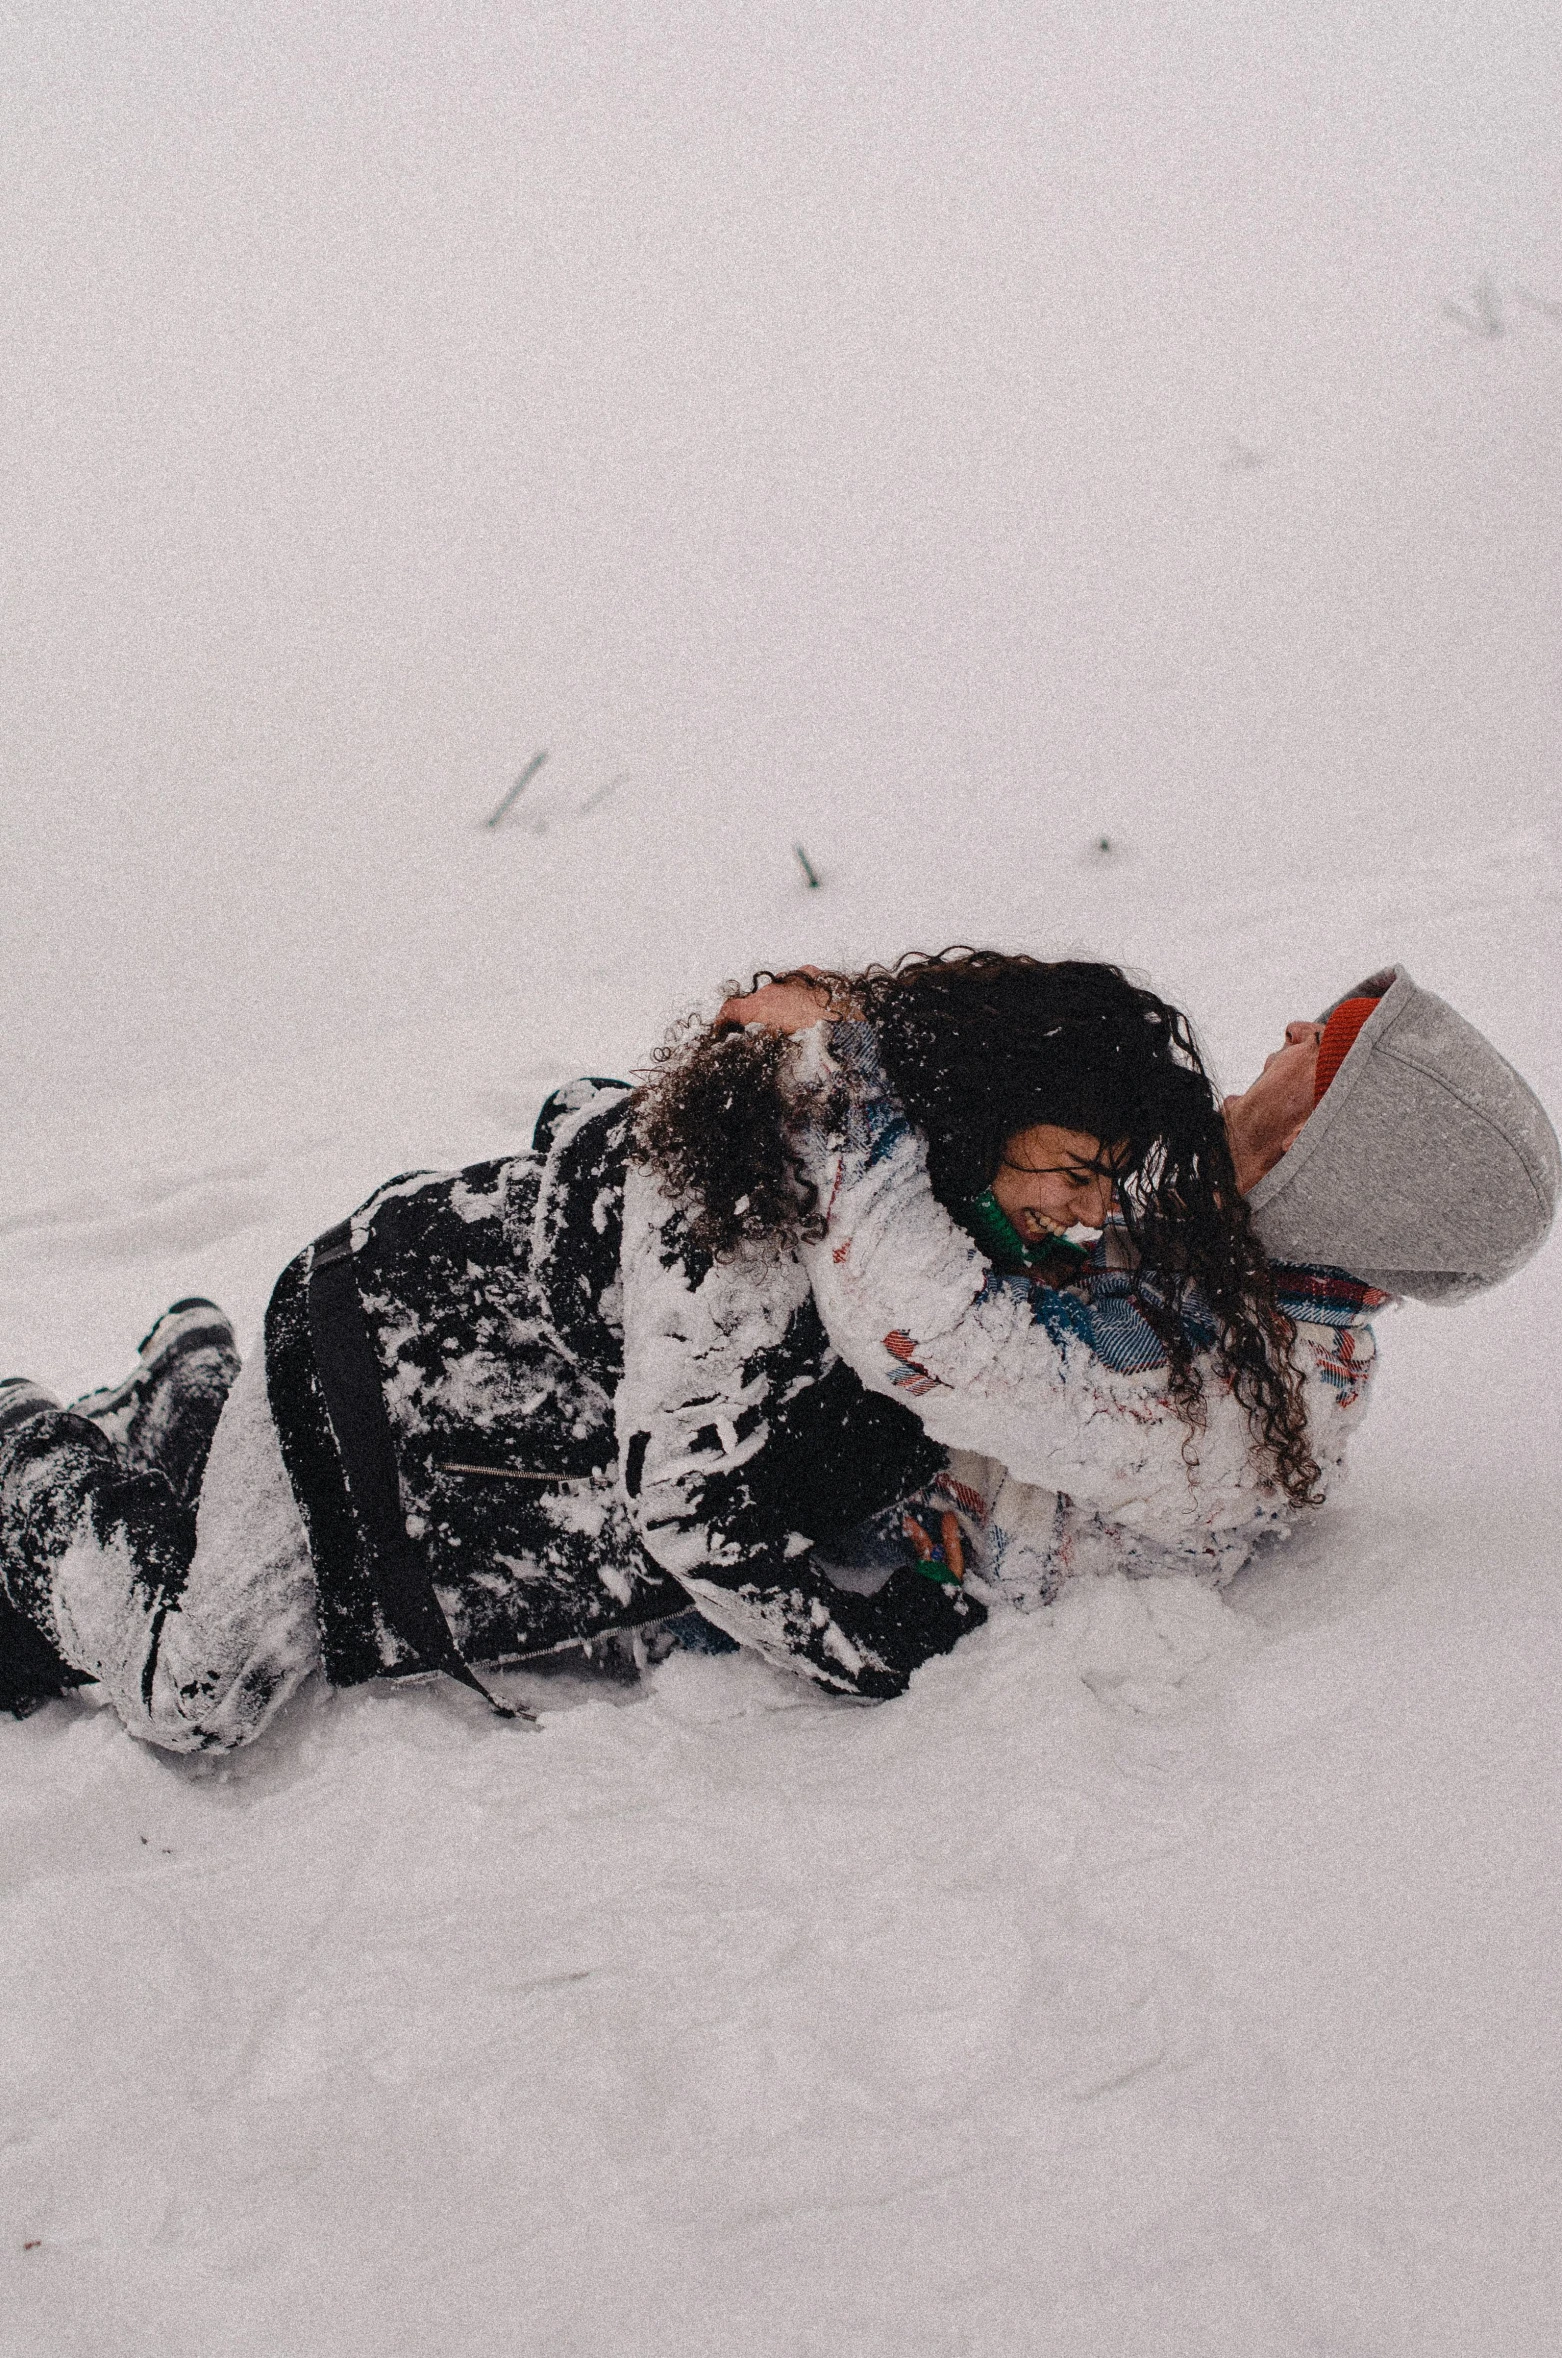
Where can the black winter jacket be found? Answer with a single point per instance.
(493, 1299)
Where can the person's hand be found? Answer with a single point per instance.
(790, 1005)
(942, 1558)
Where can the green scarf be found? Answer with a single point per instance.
(1059, 1256)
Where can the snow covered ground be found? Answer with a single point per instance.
(1164, 1973)
(944, 445)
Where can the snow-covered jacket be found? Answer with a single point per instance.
(1063, 1393)
(1024, 1541)
(743, 1434)
(500, 1301)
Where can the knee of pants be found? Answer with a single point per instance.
(181, 1674)
(190, 1701)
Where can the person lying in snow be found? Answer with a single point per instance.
(376, 1480)
(1385, 1151)
(556, 1396)
(499, 1408)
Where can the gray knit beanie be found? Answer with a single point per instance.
(1428, 1167)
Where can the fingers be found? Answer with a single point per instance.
(942, 1558)
(791, 1005)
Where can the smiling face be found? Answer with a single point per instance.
(1264, 1122)
(1051, 1180)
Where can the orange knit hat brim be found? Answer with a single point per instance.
(1339, 1037)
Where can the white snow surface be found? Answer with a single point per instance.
(945, 440)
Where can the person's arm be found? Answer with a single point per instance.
(744, 1442)
(910, 1302)
(1336, 1351)
(1025, 1541)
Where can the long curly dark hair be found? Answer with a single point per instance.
(979, 1045)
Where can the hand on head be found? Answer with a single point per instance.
(789, 1004)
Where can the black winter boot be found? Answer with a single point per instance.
(162, 1417)
(31, 1671)
(73, 1515)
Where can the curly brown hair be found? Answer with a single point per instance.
(979, 1045)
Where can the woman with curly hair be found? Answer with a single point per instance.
(711, 1341)
(1014, 1072)
(937, 1151)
